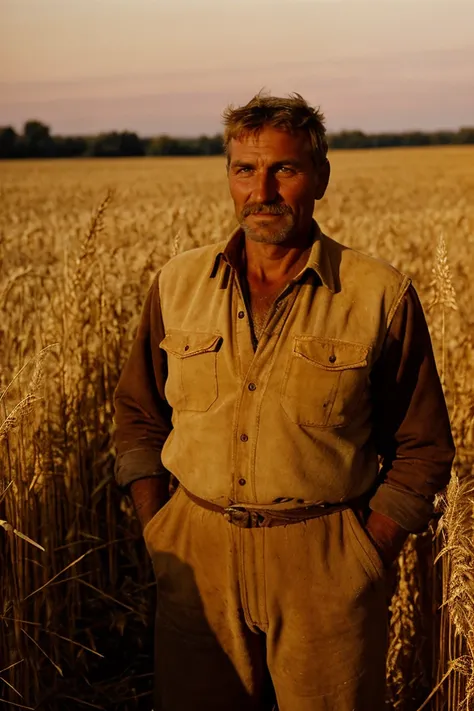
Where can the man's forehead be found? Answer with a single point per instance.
(270, 142)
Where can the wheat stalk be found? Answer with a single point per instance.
(457, 528)
(12, 279)
(176, 244)
(26, 405)
(444, 295)
(88, 245)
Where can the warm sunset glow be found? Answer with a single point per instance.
(172, 65)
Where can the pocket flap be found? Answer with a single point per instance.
(331, 354)
(184, 345)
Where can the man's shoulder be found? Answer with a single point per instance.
(349, 261)
(204, 254)
(198, 258)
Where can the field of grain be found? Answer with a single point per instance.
(79, 243)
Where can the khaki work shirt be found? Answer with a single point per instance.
(339, 398)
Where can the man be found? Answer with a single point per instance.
(289, 385)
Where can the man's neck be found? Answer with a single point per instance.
(273, 263)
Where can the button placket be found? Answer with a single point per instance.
(242, 332)
(254, 370)
(242, 449)
(247, 419)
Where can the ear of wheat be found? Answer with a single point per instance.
(444, 294)
(26, 405)
(457, 556)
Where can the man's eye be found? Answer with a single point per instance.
(244, 169)
(285, 169)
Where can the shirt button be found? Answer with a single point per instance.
(244, 438)
(241, 314)
(242, 482)
(252, 386)
(332, 358)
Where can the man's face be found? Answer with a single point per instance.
(274, 183)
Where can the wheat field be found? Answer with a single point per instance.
(80, 242)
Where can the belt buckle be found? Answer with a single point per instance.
(240, 516)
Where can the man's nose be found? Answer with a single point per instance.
(265, 188)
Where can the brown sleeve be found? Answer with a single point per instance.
(142, 415)
(411, 423)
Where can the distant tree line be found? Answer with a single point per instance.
(36, 141)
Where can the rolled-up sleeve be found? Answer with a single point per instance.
(142, 419)
(411, 422)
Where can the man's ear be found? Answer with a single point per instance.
(322, 179)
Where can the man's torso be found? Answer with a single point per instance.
(288, 419)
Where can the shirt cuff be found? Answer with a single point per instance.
(138, 464)
(411, 511)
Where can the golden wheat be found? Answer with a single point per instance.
(76, 608)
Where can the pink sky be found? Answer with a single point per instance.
(157, 66)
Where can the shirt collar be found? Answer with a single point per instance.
(319, 259)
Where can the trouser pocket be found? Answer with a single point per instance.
(159, 517)
(364, 549)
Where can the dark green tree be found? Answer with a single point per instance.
(349, 139)
(131, 144)
(70, 146)
(162, 146)
(114, 144)
(8, 142)
(465, 135)
(37, 140)
(415, 138)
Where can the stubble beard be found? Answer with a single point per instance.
(267, 234)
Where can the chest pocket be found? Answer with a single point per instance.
(326, 381)
(192, 369)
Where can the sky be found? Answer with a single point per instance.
(172, 66)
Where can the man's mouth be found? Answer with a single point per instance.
(264, 214)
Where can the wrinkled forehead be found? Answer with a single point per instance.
(270, 144)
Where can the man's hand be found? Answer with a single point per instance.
(148, 496)
(386, 535)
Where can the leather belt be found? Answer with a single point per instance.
(256, 517)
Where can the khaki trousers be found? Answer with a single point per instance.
(303, 606)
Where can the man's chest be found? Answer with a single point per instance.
(289, 312)
(261, 301)
(312, 361)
